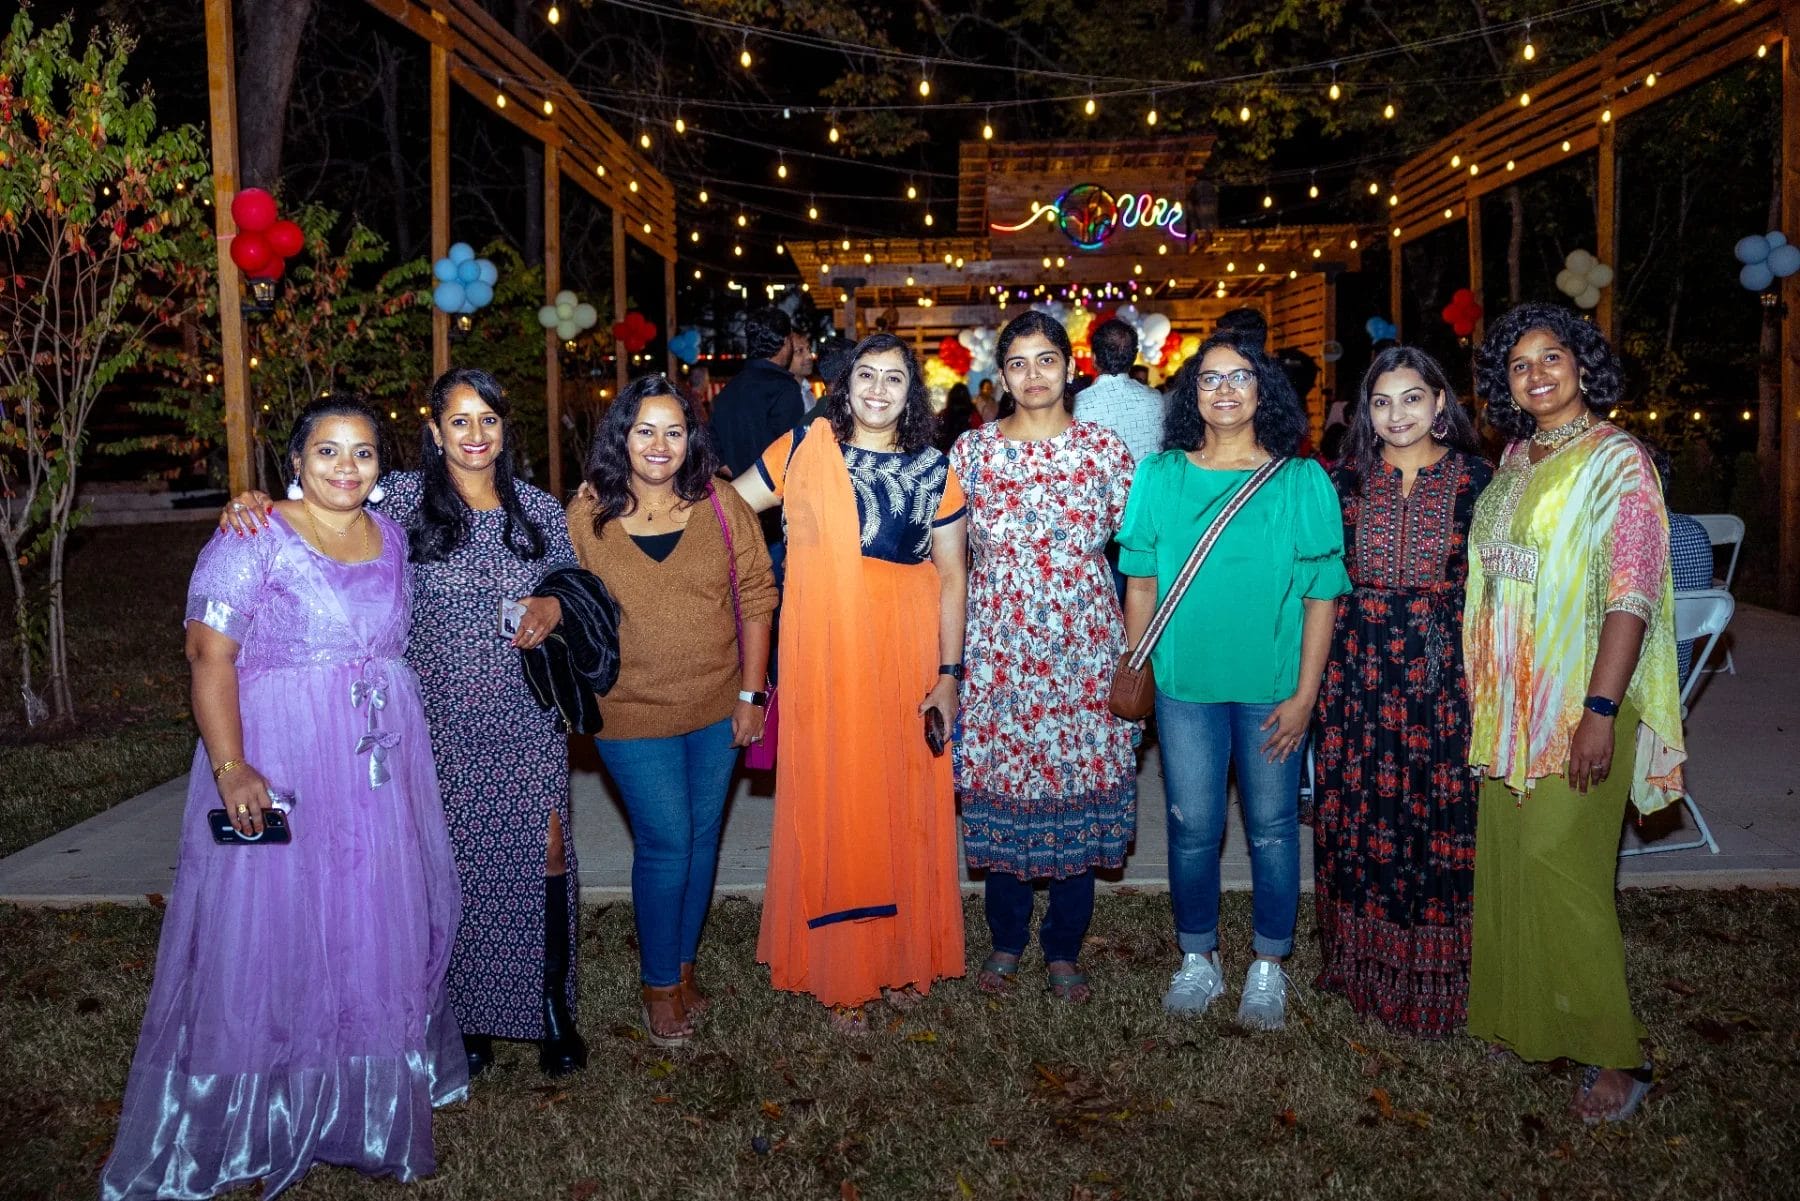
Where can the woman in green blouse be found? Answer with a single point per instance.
(1237, 669)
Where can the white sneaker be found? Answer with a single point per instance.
(1198, 984)
(1264, 1006)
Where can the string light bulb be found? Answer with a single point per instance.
(704, 195)
(1244, 114)
(693, 235)
(1529, 52)
(812, 210)
(832, 134)
(845, 243)
(987, 127)
(680, 125)
(1312, 188)
(780, 248)
(1524, 99)
(500, 98)
(549, 108)
(1387, 112)
(781, 168)
(912, 190)
(1090, 107)
(744, 59)
(1374, 189)
(1334, 92)
(1268, 201)
(644, 140)
(737, 249)
(924, 80)
(1150, 117)
(1650, 80)
(554, 15)
(929, 219)
(743, 221)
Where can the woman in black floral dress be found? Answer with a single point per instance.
(1394, 828)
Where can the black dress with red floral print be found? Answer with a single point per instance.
(1394, 820)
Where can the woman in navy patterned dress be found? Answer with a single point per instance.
(477, 537)
(1394, 835)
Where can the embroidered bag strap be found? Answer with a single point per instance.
(737, 610)
(1141, 653)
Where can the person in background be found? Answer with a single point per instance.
(800, 366)
(299, 1013)
(762, 401)
(1045, 773)
(1394, 827)
(691, 673)
(1129, 409)
(1690, 556)
(477, 537)
(700, 391)
(987, 403)
(1248, 326)
(1569, 645)
(835, 357)
(1140, 374)
(863, 897)
(1237, 670)
(958, 418)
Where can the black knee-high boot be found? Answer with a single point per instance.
(562, 1050)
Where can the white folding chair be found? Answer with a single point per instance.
(1724, 529)
(1702, 615)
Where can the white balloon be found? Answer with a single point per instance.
(1600, 275)
(566, 297)
(586, 315)
(565, 310)
(1579, 261)
(566, 329)
(547, 316)
(1589, 298)
(1154, 331)
(1570, 282)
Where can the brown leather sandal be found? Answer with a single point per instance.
(695, 1002)
(665, 1021)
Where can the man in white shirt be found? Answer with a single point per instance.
(1131, 410)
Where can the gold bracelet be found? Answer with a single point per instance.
(228, 765)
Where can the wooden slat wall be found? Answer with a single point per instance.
(1298, 317)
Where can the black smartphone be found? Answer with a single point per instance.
(275, 829)
(934, 731)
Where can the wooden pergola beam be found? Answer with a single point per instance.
(1788, 577)
(440, 196)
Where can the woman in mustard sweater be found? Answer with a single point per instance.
(667, 544)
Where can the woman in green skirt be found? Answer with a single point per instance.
(1570, 652)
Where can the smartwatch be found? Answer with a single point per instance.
(759, 699)
(953, 670)
(1604, 706)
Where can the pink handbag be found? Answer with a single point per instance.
(758, 756)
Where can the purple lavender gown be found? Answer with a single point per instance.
(299, 1011)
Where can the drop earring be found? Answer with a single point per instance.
(1440, 429)
(377, 494)
(294, 491)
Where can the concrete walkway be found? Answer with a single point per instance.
(1743, 733)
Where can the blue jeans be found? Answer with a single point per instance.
(674, 791)
(1200, 744)
(1008, 901)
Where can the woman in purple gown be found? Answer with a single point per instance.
(299, 1013)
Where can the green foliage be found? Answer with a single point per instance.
(94, 200)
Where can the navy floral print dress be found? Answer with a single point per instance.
(502, 762)
(1394, 830)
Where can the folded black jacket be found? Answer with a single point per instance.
(580, 660)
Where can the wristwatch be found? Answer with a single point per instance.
(1604, 706)
(953, 670)
(759, 699)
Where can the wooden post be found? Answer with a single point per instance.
(1396, 278)
(440, 196)
(234, 367)
(1476, 275)
(1328, 378)
(1788, 566)
(670, 369)
(1606, 226)
(621, 367)
(553, 285)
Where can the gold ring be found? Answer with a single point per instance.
(243, 809)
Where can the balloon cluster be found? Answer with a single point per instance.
(1463, 312)
(686, 345)
(954, 355)
(465, 283)
(982, 342)
(1582, 277)
(568, 315)
(634, 333)
(1766, 258)
(264, 242)
(1380, 329)
(1153, 331)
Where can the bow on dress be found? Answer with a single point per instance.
(371, 690)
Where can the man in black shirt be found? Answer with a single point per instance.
(761, 402)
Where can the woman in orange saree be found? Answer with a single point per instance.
(863, 896)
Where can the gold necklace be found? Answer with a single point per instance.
(652, 512)
(1566, 432)
(362, 519)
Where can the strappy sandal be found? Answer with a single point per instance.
(1642, 1081)
(665, 1021)
(1070, 986)
(852, 1021)
(693, 1001)
(997, 974)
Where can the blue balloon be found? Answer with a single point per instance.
(448, 296)
(1784, 260)
(490, 274)
(686, 346)
(478, 293)
(461, 252)
(1756, 276)
(1753, 249)
(467, 272)
(467, 307)
(444, 270)
(1775, 238)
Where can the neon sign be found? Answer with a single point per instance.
(1089, 215)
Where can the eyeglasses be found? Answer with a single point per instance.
(1239, 380)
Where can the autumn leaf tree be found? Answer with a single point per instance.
(93, 194)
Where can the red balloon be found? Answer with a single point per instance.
(253, 209)
(275, 270)
(251, 253)
(286, 239)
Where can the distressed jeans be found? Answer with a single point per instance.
(1200, 744)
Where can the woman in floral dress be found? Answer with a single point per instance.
(1394, 833)
(1046, 773)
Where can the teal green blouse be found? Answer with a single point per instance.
(1236, 634)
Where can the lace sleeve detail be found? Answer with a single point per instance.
(228, 583)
